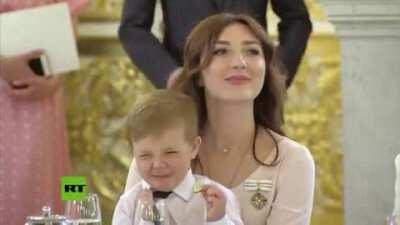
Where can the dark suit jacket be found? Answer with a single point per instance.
(157, 60)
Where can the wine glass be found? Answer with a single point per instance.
(161, 215)
(85, 211)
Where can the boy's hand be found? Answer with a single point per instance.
(216, 202)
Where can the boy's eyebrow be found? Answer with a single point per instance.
(169, 148)
(143, 151)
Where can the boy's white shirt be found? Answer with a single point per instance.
(184, 206)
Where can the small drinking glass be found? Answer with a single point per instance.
(153, 212)
(85, 211)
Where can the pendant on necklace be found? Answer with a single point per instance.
(258, 200)
(225, 150)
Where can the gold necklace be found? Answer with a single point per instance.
(241, 161)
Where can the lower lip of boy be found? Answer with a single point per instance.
(160, 176)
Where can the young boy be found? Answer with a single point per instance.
(163, 129)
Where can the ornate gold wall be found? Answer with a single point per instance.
(99, 95)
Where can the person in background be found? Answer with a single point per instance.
(33, 139)
(180, 16)
(232, 71)
(164, 134)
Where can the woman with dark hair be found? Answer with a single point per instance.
(231, 70)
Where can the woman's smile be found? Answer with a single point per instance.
(238, 79)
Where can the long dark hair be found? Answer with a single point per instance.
(198, 55)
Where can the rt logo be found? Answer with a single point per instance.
(73, 188)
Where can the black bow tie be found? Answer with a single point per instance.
(161, 194)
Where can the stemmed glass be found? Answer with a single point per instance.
(151, 211)
(84, 212)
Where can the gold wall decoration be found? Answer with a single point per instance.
(103, 10)
(101, 93)
(313, 113)
(313, 116)
(98, 98)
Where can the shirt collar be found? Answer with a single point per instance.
(184, 188)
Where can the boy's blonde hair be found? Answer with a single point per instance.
(161, 110)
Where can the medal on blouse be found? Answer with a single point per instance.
(258, 200)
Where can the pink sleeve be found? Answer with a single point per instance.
(76, 6)
(295, 190)
(11, 5)
(4, 6)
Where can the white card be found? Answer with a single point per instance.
(46, 27)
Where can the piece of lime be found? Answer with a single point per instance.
(198, 186)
